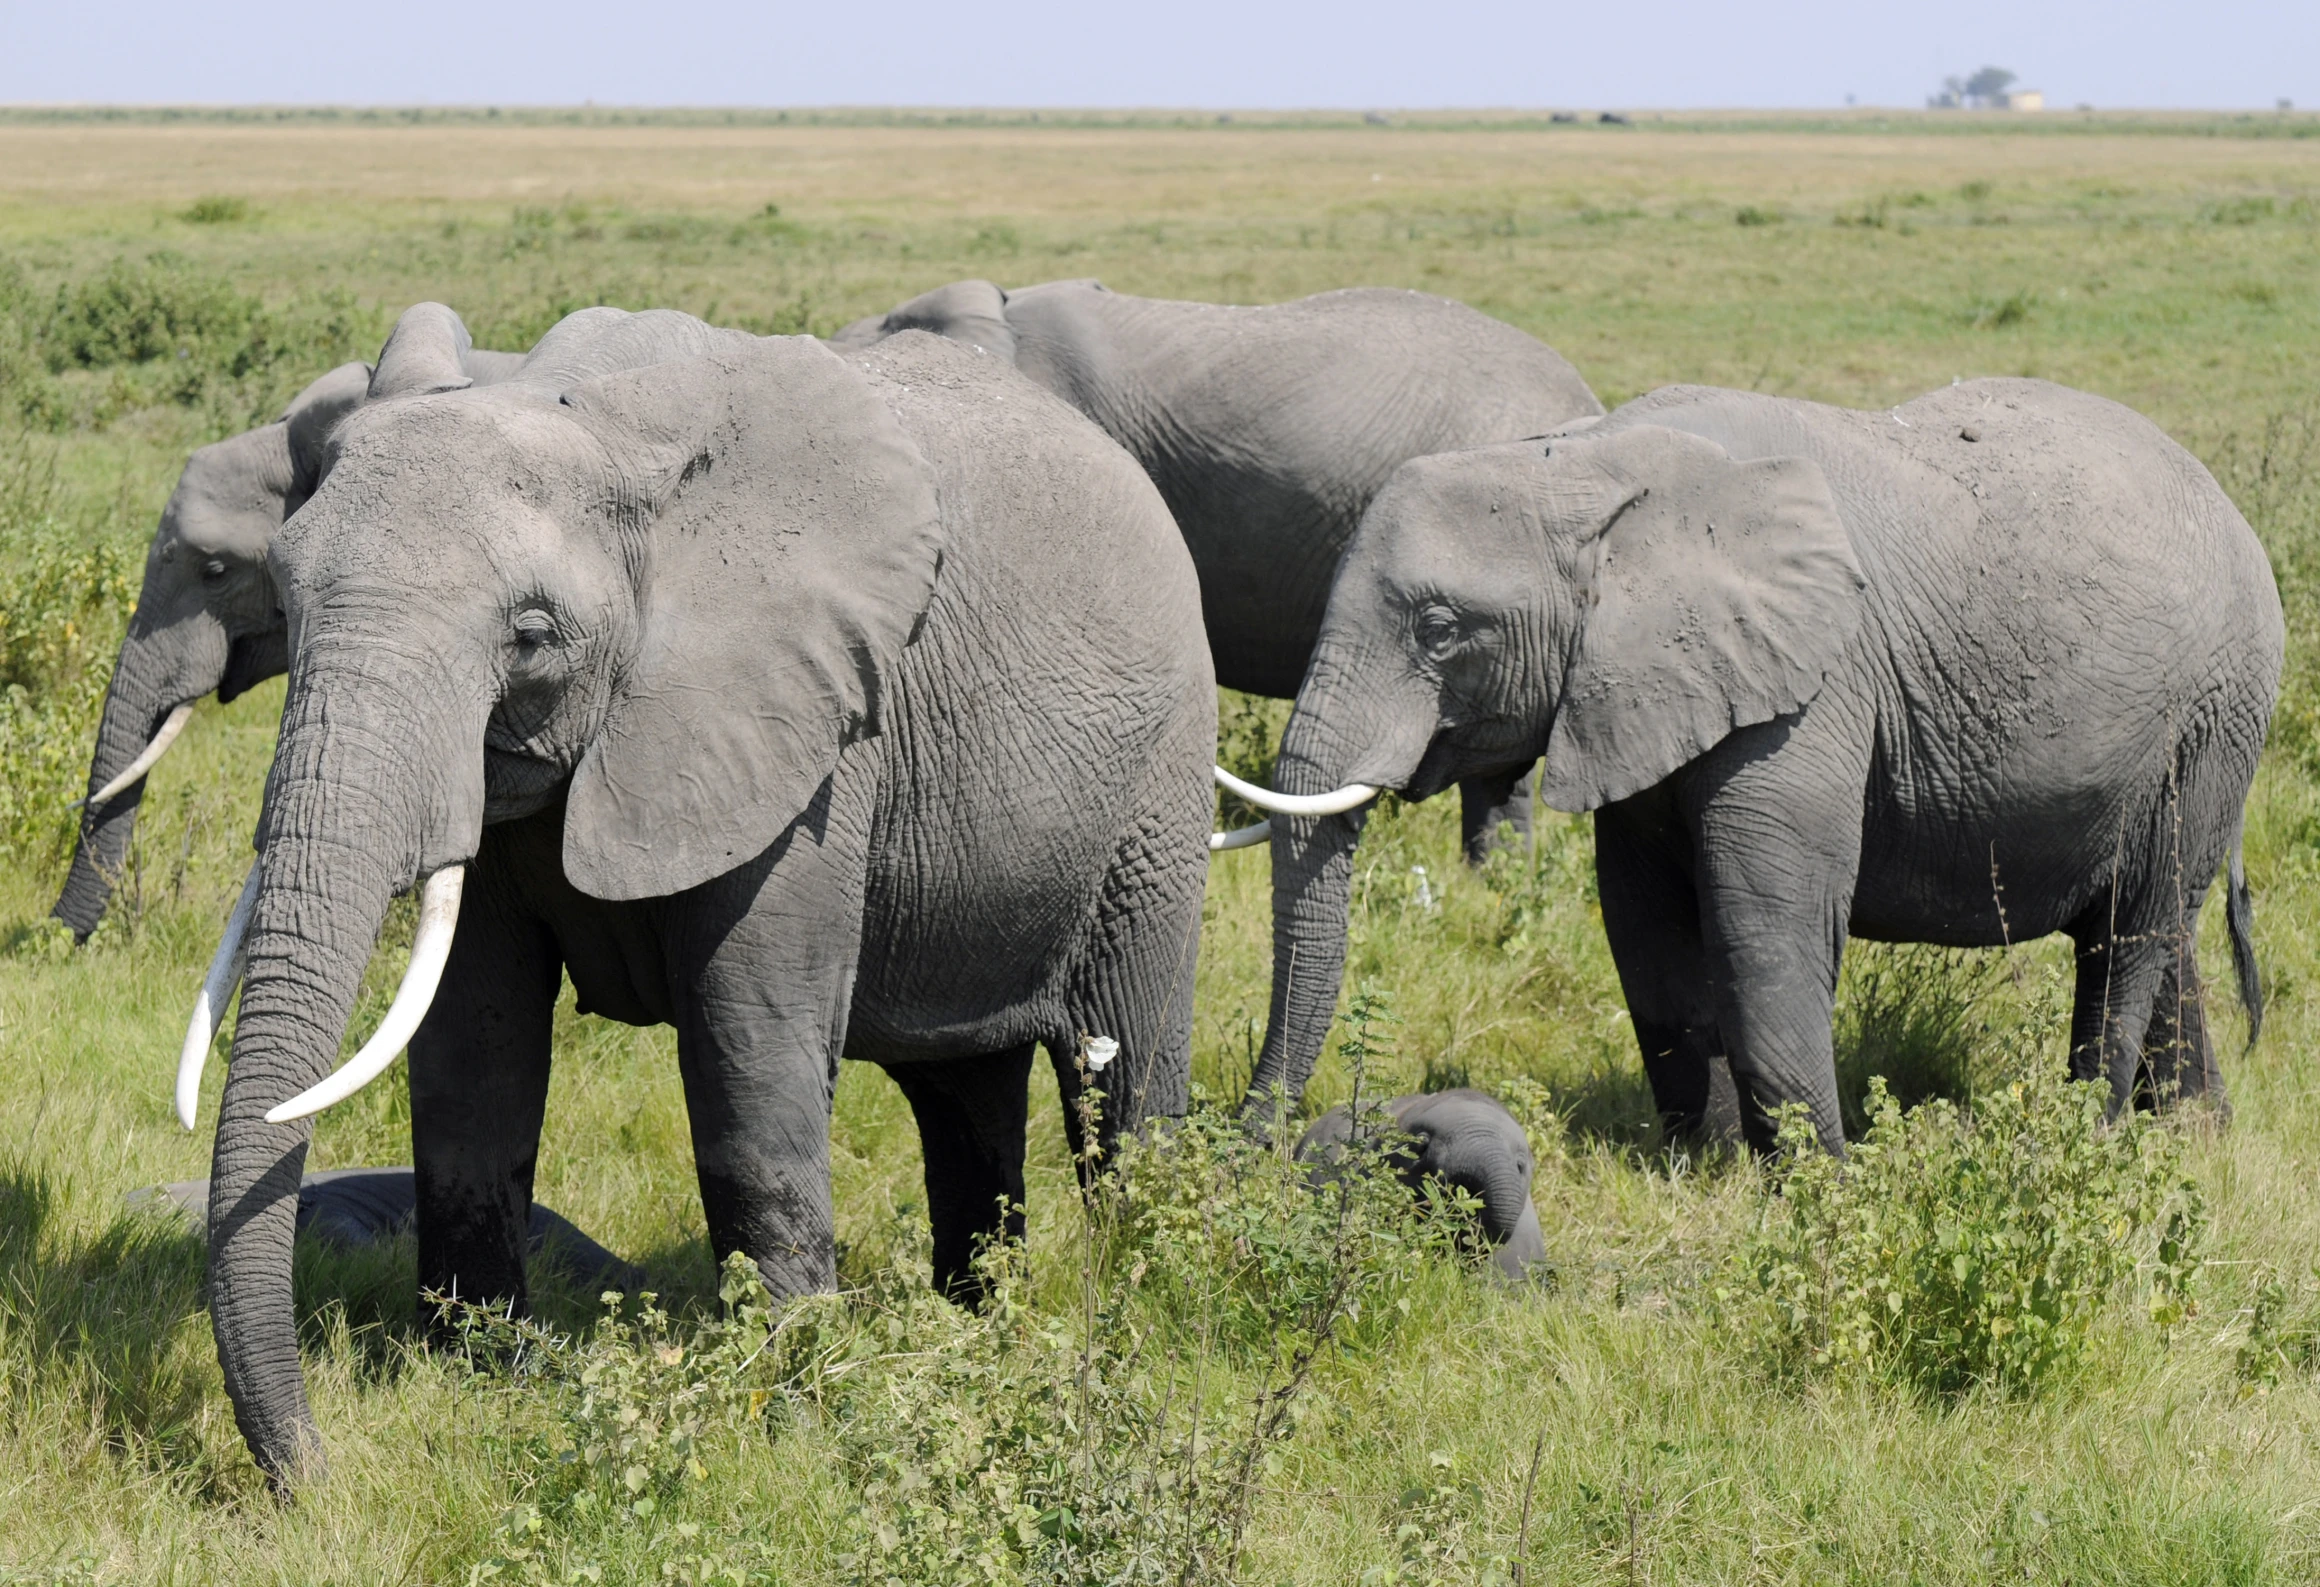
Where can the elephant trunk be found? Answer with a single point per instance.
(158, 670)
(348, 824)
(1312, 887)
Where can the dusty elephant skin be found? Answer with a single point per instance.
(1269, 430)
(812, 706)
(1467, 1140)
(1992, 664)
(209, 617)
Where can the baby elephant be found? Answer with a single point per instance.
(1467, 1140)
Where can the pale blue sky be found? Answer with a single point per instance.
(2240, 54)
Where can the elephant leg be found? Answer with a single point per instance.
(1651, 916)
(767, 955)
(479, 1089)
(1775, 813)
(2178, 1053)
(1488, 806)
(1133, 981)
(971, 1114)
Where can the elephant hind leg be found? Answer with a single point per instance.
(971, 1115)
(2178, 1055)
(2118, 983)
(1494, 811)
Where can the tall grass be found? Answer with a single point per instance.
(1618, 1423)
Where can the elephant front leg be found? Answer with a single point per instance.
(1775, 821)
(1494, 811)
(479, 1090)
(766, 955)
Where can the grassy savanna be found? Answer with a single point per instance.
(2173, 265)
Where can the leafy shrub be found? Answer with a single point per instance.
(63, 604)
(134, 313)
(215, 209)
(1957, 1249)
(2283, 1337)
(2237, 211)
(1753, 215)
(1120, 1437)
(1998, 313)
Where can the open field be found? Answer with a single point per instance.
(2161, 264)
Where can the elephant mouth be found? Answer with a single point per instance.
(1455, 754)
(517, 785)
(251, 659)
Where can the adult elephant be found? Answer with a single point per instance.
(1268, 431)
(208, 617)
(812, 706)
(1992, 664)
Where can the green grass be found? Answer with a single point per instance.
(2174, 265)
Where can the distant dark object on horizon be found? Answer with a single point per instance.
(1612, 118)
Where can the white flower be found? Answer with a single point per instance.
(1100, 1051)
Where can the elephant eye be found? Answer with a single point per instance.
(213, 570)
(1438, 633)
(535, 633)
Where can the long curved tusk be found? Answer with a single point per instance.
(1240, 837)
(225, 973)
(171, 726)
(1335, 802)
(430, 948)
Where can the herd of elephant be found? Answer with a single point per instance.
(857, 698)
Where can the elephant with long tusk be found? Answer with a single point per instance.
(819, 707)
(1269, 429)
(208, 617)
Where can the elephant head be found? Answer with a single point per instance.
(1616, 601)
(973, 312)
(1468, 1141)
(208, 616)
(663, 574)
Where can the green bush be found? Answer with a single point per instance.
(63, 605)
(1958, 1249)
(1116, 1430)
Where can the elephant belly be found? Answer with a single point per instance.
(2023, 855)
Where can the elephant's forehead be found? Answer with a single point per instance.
(457, 447)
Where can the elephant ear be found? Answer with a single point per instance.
(790, 548)
(1715, 594)
(311, 417)
(426, 352)
(972, 312)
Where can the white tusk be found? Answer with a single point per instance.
(1240, 838)
(171, 726)
(225, 973)
(430, 948)
(1336, 802)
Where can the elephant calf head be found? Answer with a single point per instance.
(1466, 1140)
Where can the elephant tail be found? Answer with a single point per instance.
(2239, 912)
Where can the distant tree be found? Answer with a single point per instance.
(1988, 85)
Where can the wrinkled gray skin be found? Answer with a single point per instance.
(1467, 1140)
(1269, 430)
(1993, 664)
(208, 616)
(812, 706)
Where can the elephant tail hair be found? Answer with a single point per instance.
(2239, 912)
